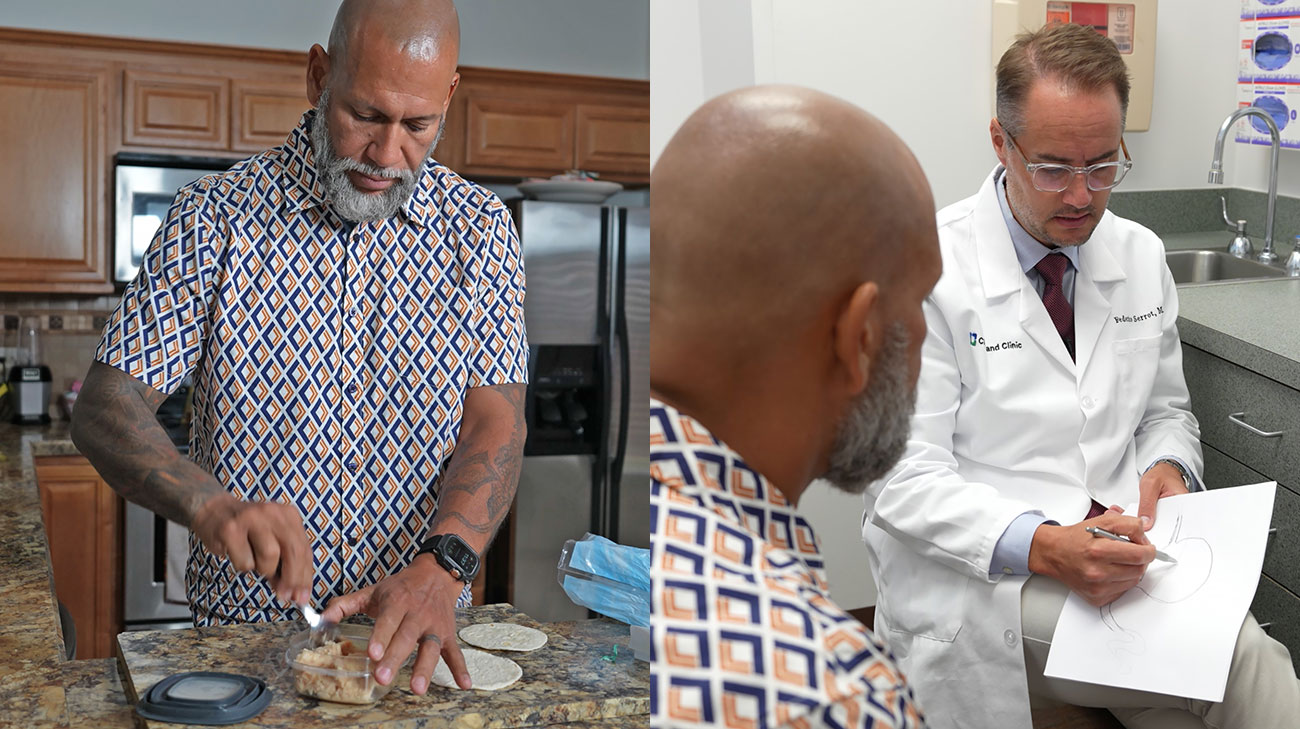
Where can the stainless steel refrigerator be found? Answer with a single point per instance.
(586, 462)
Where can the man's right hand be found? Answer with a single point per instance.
(1098, 569)
(264, 536)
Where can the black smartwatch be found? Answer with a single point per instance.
(453, 554)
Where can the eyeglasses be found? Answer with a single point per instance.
(1053, 177)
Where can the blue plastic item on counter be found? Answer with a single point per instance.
(610, 578)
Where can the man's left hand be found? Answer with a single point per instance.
(1159, 481)
(416, 606)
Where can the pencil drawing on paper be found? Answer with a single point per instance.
(1164, 583)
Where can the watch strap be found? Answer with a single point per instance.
(1187, 477)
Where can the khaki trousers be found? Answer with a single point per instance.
(1262, 690)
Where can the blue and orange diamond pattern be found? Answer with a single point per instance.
(743, 632)
(330, 360)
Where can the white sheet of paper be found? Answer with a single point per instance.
(1175, 631)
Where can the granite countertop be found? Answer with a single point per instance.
(585, 673)
(1242, 321)
(39, 689)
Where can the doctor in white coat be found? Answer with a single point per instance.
(1051, 384)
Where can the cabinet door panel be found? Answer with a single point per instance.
(263, 114)
(52, 226)
(1283, 544)
(1219, 389)
(71, 514)
(519, 135)
(1276, 605)
(175, 110)
(614, 139)
(82, 517)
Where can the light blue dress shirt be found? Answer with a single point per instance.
(1011, 554)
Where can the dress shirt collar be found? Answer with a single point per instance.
(1028, 250)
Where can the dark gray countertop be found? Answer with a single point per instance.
(1243, 322)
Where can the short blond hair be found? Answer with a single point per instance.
(1076, 55)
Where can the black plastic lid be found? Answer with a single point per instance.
(204, 697)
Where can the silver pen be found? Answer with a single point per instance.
(1099, 532)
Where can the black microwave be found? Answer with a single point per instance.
(146, 187)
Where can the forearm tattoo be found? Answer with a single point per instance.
(483, 472)
(114, 426)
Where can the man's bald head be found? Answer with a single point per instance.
(422, 30)
(772, 203)
(793, 242)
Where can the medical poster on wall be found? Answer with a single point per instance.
(1268, 69)
(1113, 20)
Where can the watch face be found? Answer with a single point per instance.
(459, 553)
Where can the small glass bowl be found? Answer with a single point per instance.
(349, 679)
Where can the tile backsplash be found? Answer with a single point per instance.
(68, 327)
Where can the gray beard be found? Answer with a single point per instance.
(874, 433)
(350, 203)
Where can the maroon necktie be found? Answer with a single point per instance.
(1096, 510)
(1052, 269)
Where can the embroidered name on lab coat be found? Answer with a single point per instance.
(1003, 346)
(1135, 318)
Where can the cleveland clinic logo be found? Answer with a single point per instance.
(975, 339)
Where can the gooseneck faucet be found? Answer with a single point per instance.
(1216, 169)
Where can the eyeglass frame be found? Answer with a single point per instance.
(1032, 167)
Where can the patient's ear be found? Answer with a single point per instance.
(856, 338)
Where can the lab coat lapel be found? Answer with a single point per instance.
(1038, 325)
(1093, 284)
(1000, 273)
(1001, 276)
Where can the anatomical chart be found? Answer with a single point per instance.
(1175, 631)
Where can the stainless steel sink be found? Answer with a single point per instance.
(1193, 267)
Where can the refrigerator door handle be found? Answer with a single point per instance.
(600, 494)
(625, 369)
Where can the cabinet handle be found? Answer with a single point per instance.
(1237, 419)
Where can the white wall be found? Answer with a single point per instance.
(925, 68)
(585, 37)
(936, 92)
(704, 49)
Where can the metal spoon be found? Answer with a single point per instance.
(321, 630)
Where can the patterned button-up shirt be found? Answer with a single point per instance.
(330, 361)
(743, 630)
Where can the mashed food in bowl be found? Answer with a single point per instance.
(340, 658)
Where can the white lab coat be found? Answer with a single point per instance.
(1005, 423)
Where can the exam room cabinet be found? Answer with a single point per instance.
(1234, 456)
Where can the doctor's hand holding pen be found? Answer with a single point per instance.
(1099, 570)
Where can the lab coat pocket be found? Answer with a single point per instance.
(1140, 344)
(922, 597)
(1136, 362)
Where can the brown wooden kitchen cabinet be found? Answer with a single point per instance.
(262, 113)
(53, 193)
(176, 110)
(614, 140)
(83, 525)
(69, 103)
(220, 113)
(511, 124)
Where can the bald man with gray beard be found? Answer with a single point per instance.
(351, 312)
(793, 241)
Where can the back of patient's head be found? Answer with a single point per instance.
(772, 204)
